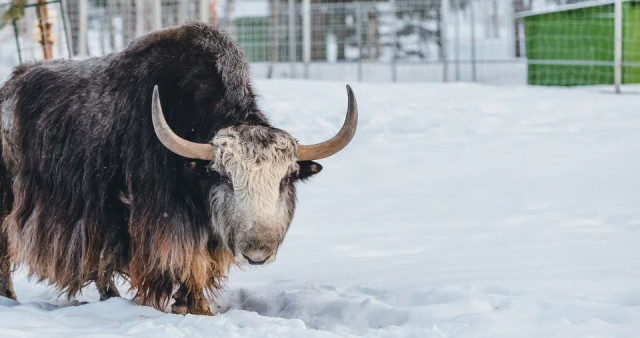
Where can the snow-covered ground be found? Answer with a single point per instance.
(459, 210)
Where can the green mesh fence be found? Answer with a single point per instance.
(576, 47)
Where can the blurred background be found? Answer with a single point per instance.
(503, 42)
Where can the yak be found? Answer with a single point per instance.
(154, 163)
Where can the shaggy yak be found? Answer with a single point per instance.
(95, 180)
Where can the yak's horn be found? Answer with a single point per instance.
(336, 143)
(173, 142)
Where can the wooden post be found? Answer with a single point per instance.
(213, 12)
(45, 29)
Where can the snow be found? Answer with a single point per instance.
(459, 210)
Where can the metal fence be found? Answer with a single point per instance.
(584, 43)
(489, 41)
(385, 41)
(401, 40)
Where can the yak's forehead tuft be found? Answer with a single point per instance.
(253, 146)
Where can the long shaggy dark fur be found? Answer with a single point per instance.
(81, 138)
(6, 200)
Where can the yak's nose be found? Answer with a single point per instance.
(257, 257)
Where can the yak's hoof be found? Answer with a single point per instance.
(183, 310)
(201, 312)
(110, 293)
(107, 289)
(179, 309)
(9, 294)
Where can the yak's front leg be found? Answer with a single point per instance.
(6, 285)
(107, 288)
(190, 302)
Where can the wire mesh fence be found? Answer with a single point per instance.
(40, 31)
(542, 42)
(575, 44)
(401, 40)
(631, 43)
(426, 40)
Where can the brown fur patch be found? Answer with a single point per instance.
(222, 261)
(171, 257)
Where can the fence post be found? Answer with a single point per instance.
(65, 24)
(15, 34)
(140, 12)
(359, 38)
(157, 14)
(444, 19)
(456, 38)
(617, 53)
(292, 38)
(513, 32)
(472, 13)
(203, 10)
(274, 38)
(394, 57)
(183, 11)
(306, 36)
(82, 27)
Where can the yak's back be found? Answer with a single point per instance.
(211, 45)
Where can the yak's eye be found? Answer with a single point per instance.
(285, 181)
(191, 165)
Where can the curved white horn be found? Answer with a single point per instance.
(173, 142)
(336, 143)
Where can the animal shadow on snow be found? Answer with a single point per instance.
(322, 308)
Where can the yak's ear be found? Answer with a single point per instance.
(308, 169)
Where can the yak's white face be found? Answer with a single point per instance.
(252, 196)
(253, 205)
